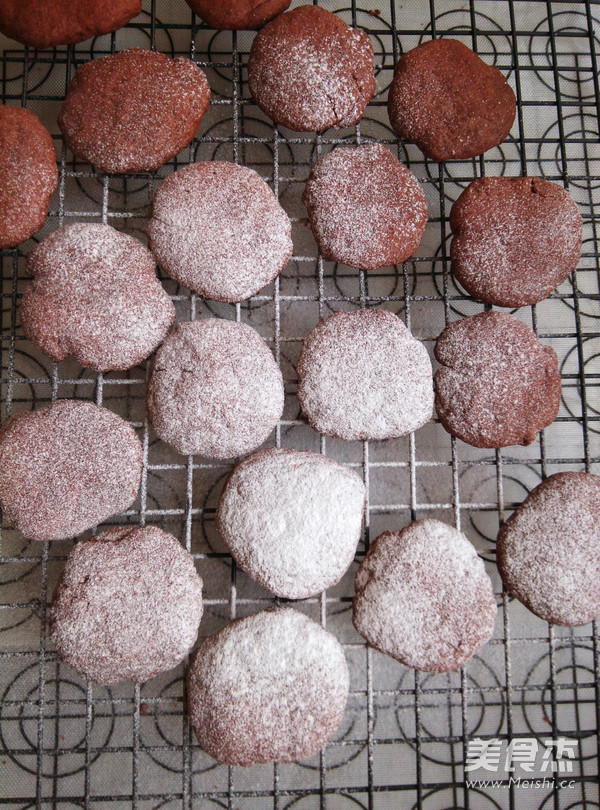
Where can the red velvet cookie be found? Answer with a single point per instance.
(309, 71)
(449, 102)
(268, 688)
(28, 174)
(498, 385)
(133, 111)
(365, 208)
(515, 239)
(95, 296)
(66, 468)
(237, 14)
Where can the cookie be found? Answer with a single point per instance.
(28, 174)
(42, 24)
(238, 14)
(216, 389)
(449, 102)
(292, 520)
(127, 606)
(498, 386)
(268, 688)
(95, 296)
(66, 468)
(309, 71)
(133, 111)
(548, 551)
(365, 208)
(424, 597)
(362, 375)
(218, 229)
(515, 239)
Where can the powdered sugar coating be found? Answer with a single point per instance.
(548, 551)
(268, 688)
(95, 296)
(362, 375)
(238, 14)
(127, 606)
(218, 229)
(515, 239)
(292, 520)
(133, 111)
(424, 597)
(309, 71)
(28, 174)
(365, 208)
(66, 468)
(498, 386)
(216, 389)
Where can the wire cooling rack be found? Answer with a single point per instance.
(404, 739)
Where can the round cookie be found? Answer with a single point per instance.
(268, 688)
(309, 71)
(127, 606)
(238, 14)
(362, 375)
(66, 468)
(28, 174)
(424, 597)
(218, 229)
(133, 111)
(95, 296)
(42, 24)
(292, 520)
(498, 386)
(449, 102)
(515, 239)
(216, 389)
(365, 208)
(548, 551)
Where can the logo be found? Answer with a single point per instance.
(524, 762)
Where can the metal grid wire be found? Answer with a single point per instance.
(66, 743)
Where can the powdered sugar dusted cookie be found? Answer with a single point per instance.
(515, 239)
(548, 551)
(309, 71)
(365, 208)
(362, 375)
(268, 688)
(498, 385)
(292, 520)
(238, 14)
(66, 468)
(95, 296)
(216, 389)
(424, 597)
(127, 606)
(218, 229)
(133, 111)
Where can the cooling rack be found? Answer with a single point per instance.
(405, 737)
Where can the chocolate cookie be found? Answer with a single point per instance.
(424, 597)
(216, 389)
(292, 520)
(28, 174)
(66, 468)
(449, 102)
(133, 111)
(515, 239)
(218, 229)
(362, 375)
(498, 385)
(268, 688)
(95, 296)
(548, 551)
(127, 606)
(309, 71)
(365, 208)
(238, 14)
(42, 24)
